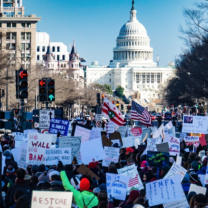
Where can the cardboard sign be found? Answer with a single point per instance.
(106, 142)
(195, 124)
(22, 161)
(179, 160)
(164, 147)
(159, 132)
(137, 131)
(117, 186)
(71, 142)
(164, 190)
(19, 138)
(197, 189)
(50, 199)
(111, 155)
(44, 118)
(174, 146)
(122, 130)
(58, 125)
(151, 143)
(128, 141)
(176, 170)
(95, 134)
(83, 170)
(116, 135)
(169, 125)
(157, 159)
(83, 132)
(52, 156)
(37, 143)
(134, 178)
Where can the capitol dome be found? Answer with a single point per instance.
(132, 44)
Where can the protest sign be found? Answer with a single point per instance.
(51, 199)
(136, 131)
(159, 132)
(122, 130)
(151, 143)
(176, 170)
(195, 124)
(136, 143)
(37, 143)
(106, 142)
(117, 186)
(190, 140)
(178, 204)
(111, 155)
(23, 154)
(134, 178)
(92, 150)
(110, 127)
(83, 170)
(44, 118)
(202, 179)
(83, 132)
(115, 136)
(94, 134)
(174, 145)
(157, 159)
(179, 160)
(52, 156)
(58, 125)
(128, 141)
(164, 190)
(169, 125)
(164, 147)
(197, 189)
(116, 141)
(19, 138)
(146, 133)
(71, 142)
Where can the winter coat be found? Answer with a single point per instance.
(202, 170)
(186, 187)
(82, 198)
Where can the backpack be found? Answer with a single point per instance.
(25, 189)
(10, 182)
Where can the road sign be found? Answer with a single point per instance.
(45, 117)
(98, 119)
(98, 123)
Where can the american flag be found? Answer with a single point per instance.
(133, 181)
(141, 114)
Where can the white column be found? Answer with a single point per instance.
(20, 3)
(1, 3)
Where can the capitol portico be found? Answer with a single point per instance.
(132, 66)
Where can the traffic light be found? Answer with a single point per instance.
(122, 107)
(113, 102)
(16, 111)
(129, 107)
(117, 104)
(98, 98)
(42, 90)
(51, 90)
(21, 84)
(103, 96)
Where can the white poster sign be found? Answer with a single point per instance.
(169, 125)
(134, 178)
(110, 127)
(191, 139)
(117, 185)
(195, 124)
(122, 130)
(174, 145)
(52, 156)
(83, 132)
(45, 117)
(128, 141)
(151, 144)
(50, 199)
(111, 155)
(159, 132)
(164, 190)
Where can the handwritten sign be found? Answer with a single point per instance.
(151, 144)
(71, 142)
(176, 170)
(83, 170)
(46, 199)
(45, 117)
(111, 155)
(163, 147)
(122, 130)
(146, 133)
(174, 146)
(134, 178)
(83, 132)
(57, 125)
(137, 131)
(128, 141)
(117, 185)
(169, 125)
(19, 138)
(159, 132)
(37, 143)
(22, 161)
(52, 156)
(95, 134)
(157, 159)
(197, 189)
(195, 124)
(164, 190)
(110, 128)
(190, 140)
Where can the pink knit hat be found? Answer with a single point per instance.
(143, 164)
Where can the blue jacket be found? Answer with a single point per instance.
(186, 187)
(202, 170)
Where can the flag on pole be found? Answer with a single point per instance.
(112, 113)
(141, 114)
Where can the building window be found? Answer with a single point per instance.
(58, 49)
(57, 57)
(126, 80)
(158, 78)
(13, 36)
(143, 77)
(148, 77)
(43, 49)
(152, 78)
(38, 57)
(22, 36)
(13, 46)
(27, 46)
(64, 65)
(0, 24)
(28, 36)
(137, 78)
(8, 46)
(13, 25)
(61, 65)
(23, 25)
(38, 48)
(109, 80)
(22, 46)
(53, 49)
(63, 57)
(43, 57)
(28, 25)
(8, 24)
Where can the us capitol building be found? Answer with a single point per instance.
(132, 66)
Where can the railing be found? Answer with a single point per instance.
(8, 1)
(8, 9)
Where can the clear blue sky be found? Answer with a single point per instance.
(95, 24)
